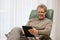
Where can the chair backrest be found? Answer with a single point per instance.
(49, 14)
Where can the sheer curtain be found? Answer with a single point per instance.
(16, 13)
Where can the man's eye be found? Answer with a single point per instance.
(41, 12)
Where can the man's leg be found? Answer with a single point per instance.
(22, 36)
(14, 34)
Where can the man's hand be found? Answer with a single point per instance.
(33, 31)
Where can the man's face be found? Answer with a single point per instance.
(41, 13)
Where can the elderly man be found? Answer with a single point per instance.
(41, 25)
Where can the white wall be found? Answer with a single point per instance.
(16, 13)
(57, 9)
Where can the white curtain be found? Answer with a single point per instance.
(16, 13)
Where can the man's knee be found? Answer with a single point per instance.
(14, 33)
(16, 28)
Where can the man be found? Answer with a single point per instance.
(41, 25)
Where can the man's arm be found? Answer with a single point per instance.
(28, 23)
(47, 29)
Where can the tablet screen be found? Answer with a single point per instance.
(27, 33)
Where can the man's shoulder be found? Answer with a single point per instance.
(36, 19)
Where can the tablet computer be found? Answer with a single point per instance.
(27, 33)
